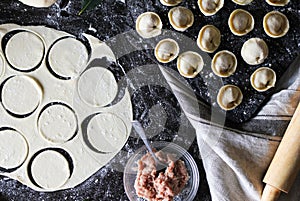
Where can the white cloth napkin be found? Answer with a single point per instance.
(236, 160)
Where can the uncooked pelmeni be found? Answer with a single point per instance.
(14, 148)
(209, 38)
(255, 51)
(21, 95)
(68, 58)
(56, 132)
(50, 169)
(276, 24)
(170, 2)
(229, 97)
(189, 64)
(38, 3)
(19, 52)
(242, 2)
(102, 91)
(224, 63)
(263, 79)
(277, 2)
(240, 22)
(166, 50)
(210, 7)
(148, 25)
(181, 18)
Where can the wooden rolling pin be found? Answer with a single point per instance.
(285, 165)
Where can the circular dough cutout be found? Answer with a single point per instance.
(181, 18)
(148, 25)
(68, 58)
(97, 87)
(263, 79)
(170, 2)
(277, 2)
(242, 2)
(14, 149)
(50, 169)
(57, 123)
(189, 64)
(21, 95)
(210, 7)
(276, 24)
(25, 51)
(107, 132)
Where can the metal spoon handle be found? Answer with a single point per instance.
(140, 130)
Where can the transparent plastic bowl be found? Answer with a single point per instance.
(130, 172)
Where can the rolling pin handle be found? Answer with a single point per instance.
(270, 193)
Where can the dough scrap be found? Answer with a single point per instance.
(14, 149)
(166, 50)
(19, 52)
(209, 38)
(255, 51)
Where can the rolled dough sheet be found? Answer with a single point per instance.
(58, 109)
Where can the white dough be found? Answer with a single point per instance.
(38, 3)
(57, 123)
(255, 51)
(52, 124)
(68, 57)
(50, 169)
(19, 50)
(100, 92)
(106, 131)
(13, 149)
(21, 95)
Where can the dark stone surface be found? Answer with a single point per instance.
(114, 17)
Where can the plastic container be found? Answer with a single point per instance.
(191, 188)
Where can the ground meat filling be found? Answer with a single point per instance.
(164, 186)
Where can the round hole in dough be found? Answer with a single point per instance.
(97, 87)
(21, 95)
(107, 132)
(254, 51)
(57, 123)
(50, 169)
(38, 3)
(25, 51)
(14, 149)
(68, 58)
